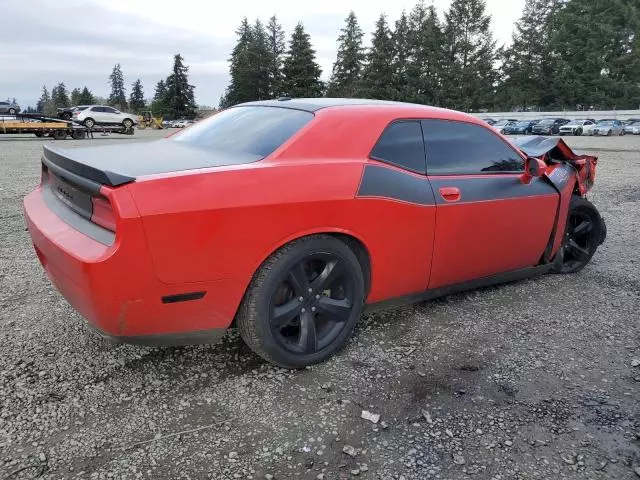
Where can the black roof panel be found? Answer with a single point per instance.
(314, 104)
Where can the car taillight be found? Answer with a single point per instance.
(103, 213)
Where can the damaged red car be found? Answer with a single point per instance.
(286, 218)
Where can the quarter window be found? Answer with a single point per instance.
(458, 148)
(401, 144)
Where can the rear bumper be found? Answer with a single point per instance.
(115, 287)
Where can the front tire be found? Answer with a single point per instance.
(584, 233)
(578, 132)
(127, 123)
(12, 111)
(303, 303)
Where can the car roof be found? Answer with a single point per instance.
(315, 104)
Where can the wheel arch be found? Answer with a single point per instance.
(354, 241)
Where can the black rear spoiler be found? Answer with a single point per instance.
(65, 166)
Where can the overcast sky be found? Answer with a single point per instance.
(79, 41)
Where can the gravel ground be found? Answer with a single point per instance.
(534, 380)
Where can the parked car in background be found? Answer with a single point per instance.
(183, 123)
(9, 107)
(500, 124)
(632, 128)
(67, 113)
(490, 121)
(103, 115)
(631, 120)
(521, 128)
(608, 127)
(549, 126)
(576, 127)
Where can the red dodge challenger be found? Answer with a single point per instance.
(287, 217)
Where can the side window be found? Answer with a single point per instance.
(401, 144)
(97, 109)
(109, 110)
(458, 148)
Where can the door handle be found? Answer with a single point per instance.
(450, 194)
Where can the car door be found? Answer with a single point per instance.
(97, 113)
(487, 220)
(111, 115)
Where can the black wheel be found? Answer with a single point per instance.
(12, 111)
(77, 134)
(578, 132)
(127, 123)
(89, 123)
(59, 134)
(39, 134)
(66, 116)
(303, 302)
(584, 233)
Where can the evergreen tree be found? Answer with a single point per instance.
(595, 46)
(180, 99)
(425, 62)
(75, 96)
(136, 100)
(300, 69)
(469, 49)
(347, 70)
(276, 44)
(86, 97)
(378, 76)
(60, 97)
(118, 95)
(402, 50)
(260, 62)
(159, 102)
(527, 65)
(241, 86)
(44, 102)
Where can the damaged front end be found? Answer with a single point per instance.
(555, 151)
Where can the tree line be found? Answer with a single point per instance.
(570, 54)
(173, 97)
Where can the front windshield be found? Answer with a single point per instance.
(548, 121)
(523, 124)
(605, 123)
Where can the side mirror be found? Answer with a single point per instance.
(533, 167)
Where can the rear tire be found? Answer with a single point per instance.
(12, 111)
(584, 233)
(39, 134)
(78, 134)
(89, 123)
(303, 303)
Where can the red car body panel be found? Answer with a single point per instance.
(209, 230)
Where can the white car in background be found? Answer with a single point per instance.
(577, 127)
(608, 127)
(94, 115)
(632, 128)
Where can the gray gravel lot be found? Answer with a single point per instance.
(534, 380)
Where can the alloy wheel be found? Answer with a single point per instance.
(580, 242)
(312, 303)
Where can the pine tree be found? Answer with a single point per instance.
(136, 100)
(402, 50)
(180, 98)
(260, 62)
(277, 46)
(75, 96)
(527, 64)
(425, 62)
(470, 52)
(118, 95)
(60, 97)
(347, 70)
(241, 86)
(595, 45)
(159, 102)
(378, 73)
(300, 69)
(86, 97)
(44, 102)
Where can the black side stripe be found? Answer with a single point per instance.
(385, 182)
(489, 187)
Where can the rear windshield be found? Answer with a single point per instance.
(79, 109)
(250, 130)
(548, 121)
